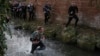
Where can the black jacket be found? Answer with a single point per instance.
(73, 10)
(47, 8)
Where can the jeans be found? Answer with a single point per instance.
(34, 46)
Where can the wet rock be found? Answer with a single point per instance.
(87, 42)
(18, 27)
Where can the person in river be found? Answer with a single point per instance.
(73, 10)
(36, 39)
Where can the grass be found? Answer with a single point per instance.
(84, 36)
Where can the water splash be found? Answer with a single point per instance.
(20, 45)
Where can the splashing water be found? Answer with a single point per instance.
(20, 45)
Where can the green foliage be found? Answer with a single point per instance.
(69, 35)
(3, 13)
(53, 32)
(29, 26)
(87, 41)
(2, 37)
(85, 37)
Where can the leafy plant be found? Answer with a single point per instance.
(3, 13)
(69, 35)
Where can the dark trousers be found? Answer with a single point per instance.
(70, 19)
(20, 14)
(24, 15)
(47, 17)
(31, 15)
(34, 46)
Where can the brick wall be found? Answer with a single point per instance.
(89, 10)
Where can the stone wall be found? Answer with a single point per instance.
(89, 10)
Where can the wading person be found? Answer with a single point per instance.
(36, 39)
(47, 11)
(73, 10)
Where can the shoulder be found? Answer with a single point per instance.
(35, 32)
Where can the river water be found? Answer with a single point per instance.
(20, 45)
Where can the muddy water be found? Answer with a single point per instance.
(19, 45)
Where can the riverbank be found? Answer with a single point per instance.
(83, 37)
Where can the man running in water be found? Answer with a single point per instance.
(36, 39)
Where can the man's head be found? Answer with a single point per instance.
(40, 29)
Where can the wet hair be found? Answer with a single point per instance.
(39, 27)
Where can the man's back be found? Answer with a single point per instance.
(36, 36)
